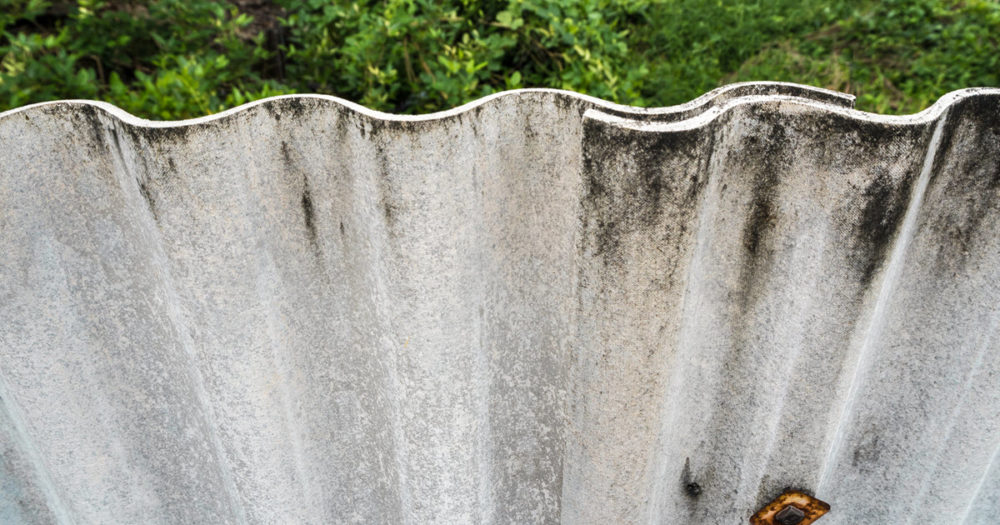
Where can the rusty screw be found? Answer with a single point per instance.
(791, 508)
(790, 515)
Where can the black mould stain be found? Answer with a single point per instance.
(769, 159)
(596, 197)
(391, 129)
(293, 106)
(306, 201)
(148, 196)
(769, 152)
(866, 455)
(160, 136)
(690, 487)
(389, 207)
(883, 202)
(971, 182)
(884, 205)
(307, 210)
(91, 119)
(118, 145)
(477, 119)
(637, 201)
(761, 219)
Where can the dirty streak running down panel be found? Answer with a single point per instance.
(536, 308)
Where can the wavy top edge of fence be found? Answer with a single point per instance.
(695, 112)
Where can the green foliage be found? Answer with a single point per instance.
(165, 59)
(897, 57)
(692, 45)
(423, 55)
(169, 59)
(416, 55)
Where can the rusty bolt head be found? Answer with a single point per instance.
(791, 508)
(790, 515)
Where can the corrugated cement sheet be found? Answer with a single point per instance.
(535, 308)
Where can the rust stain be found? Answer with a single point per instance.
(791, 508)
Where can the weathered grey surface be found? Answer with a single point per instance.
(537, 308)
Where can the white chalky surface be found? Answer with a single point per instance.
(535, 308)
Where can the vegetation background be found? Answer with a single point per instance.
(171, 59)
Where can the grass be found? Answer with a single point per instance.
(896, 57)
(168, 59)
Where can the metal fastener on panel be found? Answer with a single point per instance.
(790, 515)
(791, 508)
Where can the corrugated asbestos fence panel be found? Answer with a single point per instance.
(536, 308)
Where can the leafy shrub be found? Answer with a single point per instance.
(897, 57)
(171, 59)
(422, 55)
(166, 58)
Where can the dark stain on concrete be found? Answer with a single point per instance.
(286, 154)
(969, 183)
(382, 133)
(768, 158)
(148, 196)
(294, 107)
(306, 202)
(386, 191)
(690, 487)
(307, 210)
(632, 178)
(144, 190)
(883, 207)
(361, 125)
(118, 144)
(873, 218)
(89, 117)
(867, 452)
(99, 133)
